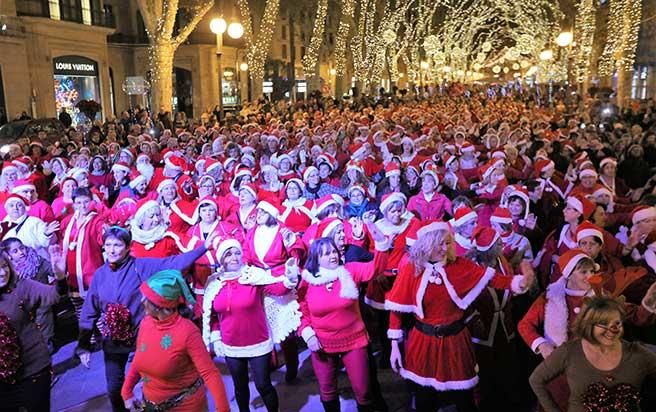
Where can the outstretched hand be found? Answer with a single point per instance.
(57, 260)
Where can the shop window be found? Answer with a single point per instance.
(75, 79)
(639, 82)
(70, 10)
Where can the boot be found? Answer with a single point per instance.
(331, 406)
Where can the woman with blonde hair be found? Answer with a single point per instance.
(437, 288)
(604, 372)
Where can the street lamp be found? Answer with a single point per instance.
(235, 30)
(243, 67)
(218, 25)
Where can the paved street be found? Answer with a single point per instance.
(78, 389)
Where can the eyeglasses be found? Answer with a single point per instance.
(613, 327)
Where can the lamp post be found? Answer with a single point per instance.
(564, 41)
(546, 55)
(243, 67)
(235, 30)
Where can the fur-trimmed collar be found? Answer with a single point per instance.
(348, 288)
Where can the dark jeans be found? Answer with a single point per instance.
(260, 366)
(115, 375)
(430, 400)
(31, 394)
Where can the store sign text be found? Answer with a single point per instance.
(80, 67)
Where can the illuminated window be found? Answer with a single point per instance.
(53, 6)
(86, 11)
(639, 82)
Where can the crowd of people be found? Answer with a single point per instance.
(461, 237)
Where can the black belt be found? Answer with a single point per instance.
(440, 331)
(171, 403)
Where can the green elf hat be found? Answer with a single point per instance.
(167, 289)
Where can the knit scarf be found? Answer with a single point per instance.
(148, 237)
(28, 266)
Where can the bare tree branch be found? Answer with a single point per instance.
(191, 25)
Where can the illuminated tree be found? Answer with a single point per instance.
(159, 18)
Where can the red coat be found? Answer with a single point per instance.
(432, 209)
(440, 295)
(169, 245)
(83, 245)
(277, 253)
(181, 215)
(297, 217)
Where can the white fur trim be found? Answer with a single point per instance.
(515, 287)
(643, 214)
(393, 197)
(376, 305)
(348, 288)
(257, 349)
(465, 218)
(581, 234)
(396, 307)
(536, 343)
(307, 333)
(571, 264)
(395, 334)
(183, 248)
(78, 247)
(433, 227)
(188, 219)
(650, 257)
(556, 313)
(269, 208)
(575, 203)
(438, 385)
(215, 335)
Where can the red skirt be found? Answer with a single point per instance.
(446, 364)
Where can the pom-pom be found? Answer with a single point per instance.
(115, 324)
(10, 361)
(620, 398)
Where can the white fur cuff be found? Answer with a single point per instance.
(536, 343)
(307, 333)
(395, 334)
(515, 286)
(215, 335)
(290, 283)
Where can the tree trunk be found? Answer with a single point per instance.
(313, 83)
(623, 88)
(161, 68)
(257, 87)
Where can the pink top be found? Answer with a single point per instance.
(433, 209)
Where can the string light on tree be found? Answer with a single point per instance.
(585, 25)
(310, 59)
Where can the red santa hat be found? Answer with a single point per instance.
(484, 238)
(175, 162)
(223, 247)
(586, 229)
(324, 202)
(328, 159)
(463, 215)
(501, 215)
(485, 171)
(136, 179)
(22, 184)
(251, 188)
(588, 173)
(308, 171)
(392, 169)
(643, 212)
(9, 167)
(271, 207)
(359, 188)
(467, 147)
(567, 261)
(431, 170)
(607, 160)
(543, 165)
(211, 164)
(358, 150)
(581, 204)
(432, 226)
(128, 152)
(122, 166)
(602, 190)
(521, 192)
(298, 182)
(328, 225)
(14, 197)
(390, 198)
(23, 161)
(354, 165)
(164, 183)
(143, 206)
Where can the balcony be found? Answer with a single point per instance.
(67, 12)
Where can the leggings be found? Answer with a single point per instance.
(260, 366)
(326, 368)
(430, 400)
(31, 394)
(114, 376)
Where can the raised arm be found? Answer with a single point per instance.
(150, 266)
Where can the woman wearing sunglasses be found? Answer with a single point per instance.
(602, 369)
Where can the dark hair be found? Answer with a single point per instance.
(318, 248)
(328, 211)
(6, 244)
(120, 233)
(81, 192)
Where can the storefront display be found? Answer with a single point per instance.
(76, 78)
